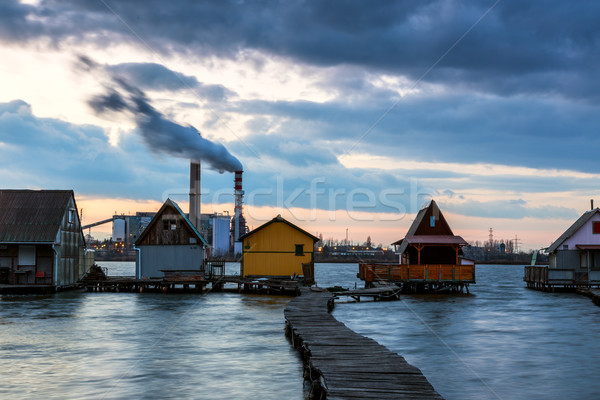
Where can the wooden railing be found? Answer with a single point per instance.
(417, 272)
(542, 275)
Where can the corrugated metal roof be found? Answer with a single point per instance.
(572, 229)
(32, 215)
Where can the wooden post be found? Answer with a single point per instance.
(456, 249)
(419, 248)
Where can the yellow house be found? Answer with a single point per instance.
(277, 248)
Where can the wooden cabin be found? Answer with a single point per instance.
(169, 243)
(278, 249)
(430, 240)
(430, 254)
(574, 256)
(41, 242)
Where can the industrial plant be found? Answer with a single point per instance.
(221, 231)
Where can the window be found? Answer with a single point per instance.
(432, 221)
(596, 227)
(565, 247)
(299, 249)
(71, 216)
(26, 255)
(583, 260)
(169, 224)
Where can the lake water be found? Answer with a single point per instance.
(501, 342)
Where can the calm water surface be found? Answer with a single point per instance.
(501, 342)
(79, 345)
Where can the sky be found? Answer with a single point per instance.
(344, 114)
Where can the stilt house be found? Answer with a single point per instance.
(430, 240)
(430, 257)
(575, 255)
(278, 248)
(169, 243)
(41, 242)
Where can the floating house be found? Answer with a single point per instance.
(574, 256)
(278, 249)
(169, 243)
(429, 255)
(430, 240)
(41, 242)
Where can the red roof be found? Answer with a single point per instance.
(436, 239)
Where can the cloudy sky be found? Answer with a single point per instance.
(344, 114)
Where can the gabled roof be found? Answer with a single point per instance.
(186, 220)
(572, 229)
(421, 232)
(32, 216)
(279, 218)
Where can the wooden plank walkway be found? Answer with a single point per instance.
(377, 293)
(593, 294)
(340, 363)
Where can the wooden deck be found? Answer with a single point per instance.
(191, 284)
(340, 363)
(550, 279)
(419, 277)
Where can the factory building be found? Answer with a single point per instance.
(219, 234)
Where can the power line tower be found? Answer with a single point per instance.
(516, 242)
(491, 237)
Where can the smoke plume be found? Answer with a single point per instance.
(160, 133)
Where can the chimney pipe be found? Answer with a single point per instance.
(195, 201)
(592, 202)
(239, 194)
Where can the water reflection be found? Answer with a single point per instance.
(503, 341)
(123, 345)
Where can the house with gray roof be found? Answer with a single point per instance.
(41, 242)
(576, 253)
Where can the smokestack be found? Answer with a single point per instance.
(239, 196)
(592, 201)
(195, 193)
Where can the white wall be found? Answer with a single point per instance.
(583, 236)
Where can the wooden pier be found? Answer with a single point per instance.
(551, 279)
(377, 293)
(340, 363)
(593, 294)
(198, 284)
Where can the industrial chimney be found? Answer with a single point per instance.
(195, 193)
(239, 196)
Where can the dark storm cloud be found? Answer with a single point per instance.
(463, 128)
(519, 47)
(92, 166)
(151, 76)
(88, 163)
